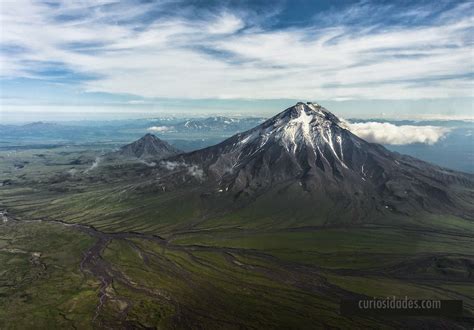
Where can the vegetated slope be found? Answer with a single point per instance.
(308, 148)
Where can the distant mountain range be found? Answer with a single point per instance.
(116, 130)
(32, 128)
(453, 151)
(218, 123)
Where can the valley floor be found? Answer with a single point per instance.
(71, 276)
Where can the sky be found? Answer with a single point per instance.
(131, 58)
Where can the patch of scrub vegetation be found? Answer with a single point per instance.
(41, 284)
(199, 281)
(335, 240)
(143, 310)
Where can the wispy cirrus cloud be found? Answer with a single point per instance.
(148, 50)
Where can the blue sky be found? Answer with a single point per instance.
(407, 59)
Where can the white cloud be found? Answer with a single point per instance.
(160, 128)
(94, 165)
(191, 169)
(72, 172)
(149, 164)
(226, 24)
(225, 55)
(170, 165)
(196, 171)
(387, 133)
(136, 102)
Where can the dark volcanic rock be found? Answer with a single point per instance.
(149, 146)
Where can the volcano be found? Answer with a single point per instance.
(148, 146)
(308, 148)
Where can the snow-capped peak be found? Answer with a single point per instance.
(306, 124)
(300, 128)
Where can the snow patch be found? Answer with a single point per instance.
(247, 138)
(339, 141)
(298, 130)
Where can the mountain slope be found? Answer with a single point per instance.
(308, 147)
(149, 146)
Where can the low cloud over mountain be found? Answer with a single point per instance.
(160, 128)
(387, 133)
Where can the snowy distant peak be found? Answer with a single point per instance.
(218, 123)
